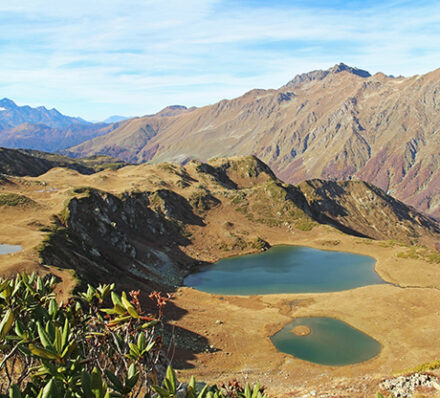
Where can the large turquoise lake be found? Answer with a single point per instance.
(286, 269)
(331, 342)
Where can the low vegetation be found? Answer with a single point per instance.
(424, 367)
(98, 344)
(13, 200)
(421, 253)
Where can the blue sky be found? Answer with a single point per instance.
(96, 58)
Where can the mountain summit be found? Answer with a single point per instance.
(322, 74)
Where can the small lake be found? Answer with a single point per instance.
(7, 249)
(331, 342)
(286, 269)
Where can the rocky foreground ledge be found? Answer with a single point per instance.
(405, 386)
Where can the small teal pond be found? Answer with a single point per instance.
(7, 249)
(331, 342)
(286, 269)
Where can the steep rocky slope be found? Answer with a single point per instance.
(21, 162)
(334, 124)
(365, 209)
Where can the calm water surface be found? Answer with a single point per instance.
(331, 342)
(286, 269)
(7, 249)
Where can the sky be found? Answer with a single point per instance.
(96, 58)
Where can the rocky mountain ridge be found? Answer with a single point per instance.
(337, 124)
(44, 129)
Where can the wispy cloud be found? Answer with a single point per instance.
(95, 58)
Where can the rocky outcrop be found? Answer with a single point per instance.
(136, 235)
(406, 386)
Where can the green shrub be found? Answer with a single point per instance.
(12, 200)
(83, 348)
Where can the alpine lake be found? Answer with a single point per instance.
(297, 269)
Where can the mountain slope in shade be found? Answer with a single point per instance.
(44, 129)
(335, 124)
(360, 207)
(26, 162)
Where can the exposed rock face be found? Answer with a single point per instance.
(106, 237)
(142, 234)
(333, 124)
(361, 208)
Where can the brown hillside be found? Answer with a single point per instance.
(332, 124)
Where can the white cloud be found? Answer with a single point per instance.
(95, 58)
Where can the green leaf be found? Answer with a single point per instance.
(131, 381)
(16, 289)
(49, 390)
(116, 299)
(58, 340)
(14, 392)
(131, 371)
(171, 378)
(134, 350)
(44, 338)
(6, 323)
(41, 352)
(147, 324)
(161, 391)
(128, 306)
(66, 332)
(68, 350)
(39, 284)
(256, 391)
(141, 342)
(116, 383)
(53, 308)
(247, 391)
(85, 384)
(19, 329)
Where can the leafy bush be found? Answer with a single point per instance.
(83, 348)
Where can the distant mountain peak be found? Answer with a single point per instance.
(115, 119)
(7, 103)
(341, 67)
(320, 74)
(172, 110)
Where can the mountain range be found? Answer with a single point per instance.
(337, 124)
(342, 123)
(44, 129)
